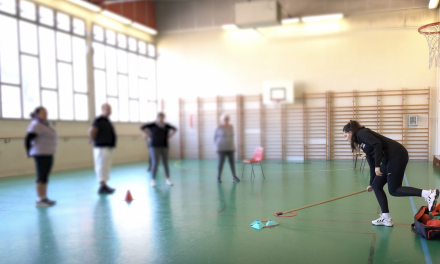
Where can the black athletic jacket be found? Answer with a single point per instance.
(378, 149)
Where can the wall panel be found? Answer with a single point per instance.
(308, 130)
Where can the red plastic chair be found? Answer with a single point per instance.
(257, 159)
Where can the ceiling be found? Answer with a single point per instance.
(172, 15)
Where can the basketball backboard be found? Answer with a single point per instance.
(278, 91)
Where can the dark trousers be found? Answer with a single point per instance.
(43, 165)
(393, 173)
(222, 155)
(157, 153)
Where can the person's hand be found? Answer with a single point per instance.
(90, 142)
(377, 171)
(369, 188)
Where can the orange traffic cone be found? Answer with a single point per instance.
(128, 197)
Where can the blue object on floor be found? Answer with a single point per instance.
(256, 222)
(257, 225)
(271, 223)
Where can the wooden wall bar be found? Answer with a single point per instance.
(308, 130)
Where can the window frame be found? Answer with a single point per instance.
(128, 51)
(17, 16)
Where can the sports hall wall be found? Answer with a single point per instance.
(74, 150)
(362, 52)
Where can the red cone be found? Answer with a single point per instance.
(128, 197)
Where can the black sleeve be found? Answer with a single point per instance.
(370, 160)
(148, 125)
(171, 127)
(27, 141)
(96, 122)
(366, 137)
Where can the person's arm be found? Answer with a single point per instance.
(174, 130)
(145, 132)
(368, 138)
(371, 163)
(93, 131)
(27, 141)
(215, 134)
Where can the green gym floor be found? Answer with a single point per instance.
(200, 221)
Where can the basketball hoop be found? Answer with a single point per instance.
(432, 35)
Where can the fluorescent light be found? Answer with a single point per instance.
(321, 17)
(433, 4)
(87, 5)
(290, 21)
(117, 17)
(144, 28)
(229, 27)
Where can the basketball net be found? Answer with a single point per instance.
(432, 35)
(277, 103)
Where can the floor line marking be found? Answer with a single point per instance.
(373, 245)
(423, 241)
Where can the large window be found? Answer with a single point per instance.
(42, 62)
(125, 75)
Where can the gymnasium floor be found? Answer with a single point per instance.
(200, 221)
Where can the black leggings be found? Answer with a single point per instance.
(43, 164)
(392, 173)
(222, 156)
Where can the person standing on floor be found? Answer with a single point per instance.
(224, 145)
(41, 143)
(103, 136)
(387, 159)
(157, 135)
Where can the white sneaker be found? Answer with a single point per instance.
(153, 183)
(169, 182)
(432, 199)
(382, 221)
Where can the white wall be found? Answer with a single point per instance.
(74, 152)
(361, 52)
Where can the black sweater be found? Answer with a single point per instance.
(159, 135)
(377, 148)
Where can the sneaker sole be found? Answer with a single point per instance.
(381, 225)
(434, 204)
(43, 205)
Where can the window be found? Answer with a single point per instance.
(27, 10)
(9, 63)
(142, 48)
(11, 105)
(132, 44)
(79, 27)
(46, 16)
(124, 76)
(8, 6)
(42, 62)
(47, 58)
(63, 21)
(28, 38)
(151, 50)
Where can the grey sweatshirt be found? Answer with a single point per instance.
(46, 141)
(224, 139)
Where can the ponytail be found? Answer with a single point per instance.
(36, 111)
(353, 126)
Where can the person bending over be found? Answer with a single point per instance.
(387, 160)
